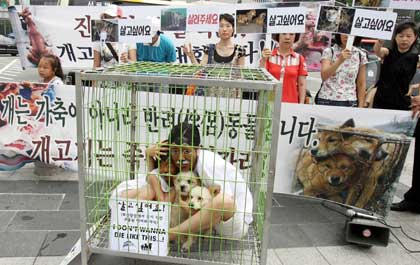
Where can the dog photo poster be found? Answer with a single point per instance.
(353, 157)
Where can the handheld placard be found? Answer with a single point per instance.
(350, 41)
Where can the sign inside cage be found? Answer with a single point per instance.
(138, 30)
(354, 157)
(139, 226)
(357, 22)
(286, 20)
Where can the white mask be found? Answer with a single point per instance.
(103, 35)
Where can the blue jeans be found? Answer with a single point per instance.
(346, 103)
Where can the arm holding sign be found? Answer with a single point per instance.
(329, 67)
(380, 51)
(266, 53)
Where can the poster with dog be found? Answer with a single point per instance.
(357, 22)
(251, 21)
(354, 157)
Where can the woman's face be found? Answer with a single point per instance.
(225, 29)
(343, 39)
(184, 157)
(286, 39)
(405, 39)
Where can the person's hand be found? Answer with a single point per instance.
(415, 106)
(124, 57)
(266, 53)
(155, 151)
(26, 84)
(187, 49)
(344, 55)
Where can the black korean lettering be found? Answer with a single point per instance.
(63, 153)
(8, 108)
(103, 154)
(67, 49)
(233, 124)
(59, 111)
(22, 110)
(291, 131)
(272, 20)
(151, 118)
(307, 132)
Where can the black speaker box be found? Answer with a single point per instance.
(367, 232)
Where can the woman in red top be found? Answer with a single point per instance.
(287, 66)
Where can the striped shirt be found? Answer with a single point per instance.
(289, 68)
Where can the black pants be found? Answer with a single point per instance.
(413, 194)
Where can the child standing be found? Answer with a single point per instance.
(50, 71)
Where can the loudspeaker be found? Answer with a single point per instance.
(366, 232)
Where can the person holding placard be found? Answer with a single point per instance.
(343, 73)
(288, 66)
(161, 49)
(223, 52)
(398, 68)
(106, 53)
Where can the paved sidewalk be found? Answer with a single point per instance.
(39, 223)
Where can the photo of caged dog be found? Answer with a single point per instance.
(190, 198)
(329, 18)
(347, 164)
(251, 21)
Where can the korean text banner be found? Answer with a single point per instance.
(354, 156)
(357, 22)
(37, 123)
(67, 33)
(286, 20)
(199, 19)
(133, 31)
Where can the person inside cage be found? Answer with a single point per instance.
(157, 185)
(230, 211)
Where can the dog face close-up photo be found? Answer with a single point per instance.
(327, 178)
(346, 20)
(329, 18)
(185, 181)
(355, 142)
(201, 196)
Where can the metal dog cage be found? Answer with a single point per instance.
(124, 109)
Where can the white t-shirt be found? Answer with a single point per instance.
(213, 169)
(107, 59)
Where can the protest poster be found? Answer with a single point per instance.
(37, 123)
(139, 226)
(357, 22)
(66, 32)
(354, 157)
(311, 43)
(133, 31)
(374, 24)
(286, 20)
(397, 4)
(174, 19)
(105, 30)
(203, 19)
(251, 21)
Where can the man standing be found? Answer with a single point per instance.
(160, 50)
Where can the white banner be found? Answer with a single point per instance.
(405, 4)
(286, 20)
(134, 31)
(140, 227)
(331, 156)
(356, 22)
(374, 24)
(203, 19)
